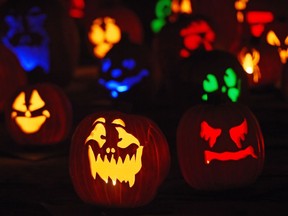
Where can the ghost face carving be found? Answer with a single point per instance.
(217, 143)
(24, 108)
(114, 159)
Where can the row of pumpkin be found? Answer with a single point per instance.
(120, 160)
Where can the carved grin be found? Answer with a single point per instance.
(30, 125)
(225, 156)
(121, 169)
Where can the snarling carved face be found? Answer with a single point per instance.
(237, 135)
(280, 42)
(29, 113)
(116, 155)
(104, 33)
(27, 38)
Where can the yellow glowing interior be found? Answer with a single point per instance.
(272, 39)
(250, 62)
(240, 4)
(28, 123)
(104, 39)
(121, 168)
(183, 6)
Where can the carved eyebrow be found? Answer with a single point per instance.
(238, 133)
(209, 133)
(101, 119)
(118, 122)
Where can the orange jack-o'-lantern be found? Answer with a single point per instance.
(106, 27)
(38, 115)
(111, 159)
(220, 147)
(12, 75)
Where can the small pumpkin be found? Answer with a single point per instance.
(220, 146)
(118, 159)
(12, 75)
(38, 115)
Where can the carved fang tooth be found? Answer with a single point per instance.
(92, 161)
(131, 181)
(127, 159)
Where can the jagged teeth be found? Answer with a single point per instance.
(116, 170)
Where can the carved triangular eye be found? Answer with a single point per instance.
(238, 133)
(19, 103)
(209, 133)
(36, 101)
(272, 39)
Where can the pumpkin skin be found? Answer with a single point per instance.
(219, 146)
(12, 75)
(40, 34)
(135, 188)
(38, 115)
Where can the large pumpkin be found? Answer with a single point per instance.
(43, 37)
(118, 159)
(39, 114)
(12, 75)
(219, 146)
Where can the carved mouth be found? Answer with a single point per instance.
(121, 169)
(225, 156)
(30, 125)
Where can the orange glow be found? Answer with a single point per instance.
(249, 61)
(181, 6)
(104, 39)
(273, 40)
(240, 5)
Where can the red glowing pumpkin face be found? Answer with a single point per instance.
(219, 147)
(111, 158)
(39, 115)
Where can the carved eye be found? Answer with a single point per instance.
(272, 39)
(238, 133)
(98, 133)
(209, 133)
(210, 84)
(286, 41)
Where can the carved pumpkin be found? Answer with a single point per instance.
(107, 25)
(12, 75)
(211, 77)
(39, 114)
(40, 34)
(219, 146)
(118, 159)
(126, 74)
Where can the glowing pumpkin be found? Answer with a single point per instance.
(107, 25)
(220, 146)
(40, 33)
(118, 159)
(212, 77)
(39, 114)
(12, 75)
(126, 74)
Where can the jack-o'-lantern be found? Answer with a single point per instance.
(220, 146)
(111, 159)
(212, 77)
(167, 11)
(107, 25)
(40, 33)
(126, 74)
(12, 75)
(39, 114)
